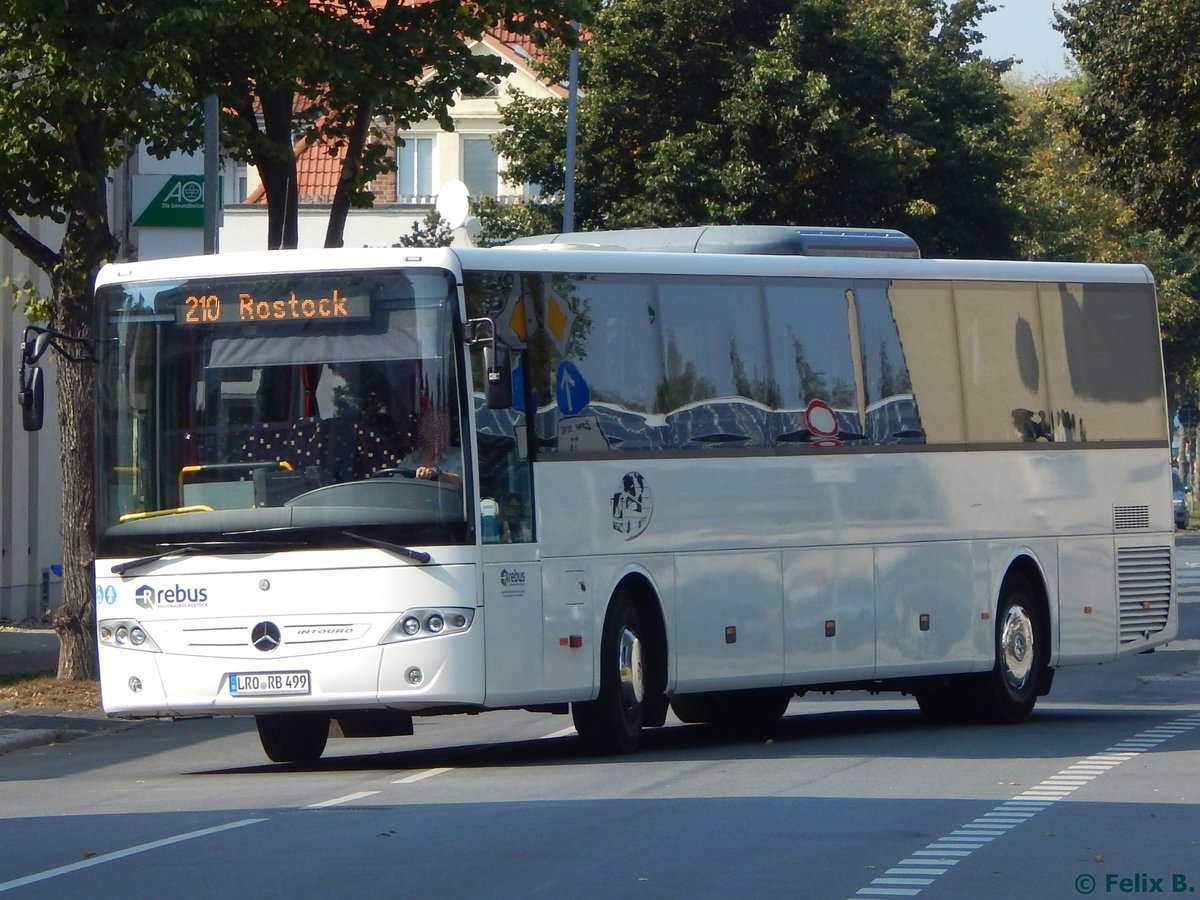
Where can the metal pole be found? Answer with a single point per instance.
(569, 176)
(212, 160)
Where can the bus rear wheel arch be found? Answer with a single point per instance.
(1022, 647)
(1020, 671)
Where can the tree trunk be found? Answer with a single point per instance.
(87, 244)
(277, 166)
(348, 181)
(75, 618)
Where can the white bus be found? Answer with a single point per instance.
(352, 487)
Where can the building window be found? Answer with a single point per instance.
(481, 167)
(414, 169)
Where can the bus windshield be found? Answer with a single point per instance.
(321, 408)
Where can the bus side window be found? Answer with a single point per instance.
(505, 485)
(810, 351)
(892, 413)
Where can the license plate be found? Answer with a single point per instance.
(263, 684)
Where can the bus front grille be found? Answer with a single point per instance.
(1143, 591)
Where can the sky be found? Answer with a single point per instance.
(1024, 29)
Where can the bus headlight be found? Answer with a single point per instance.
(415, 624)
(128, 634)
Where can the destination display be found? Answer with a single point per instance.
(246, 307)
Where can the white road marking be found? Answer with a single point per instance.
(122, 854)
(421, 776)
(349, 798)
(430, 773)
(1008, 815)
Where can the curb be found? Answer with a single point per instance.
(37, 737)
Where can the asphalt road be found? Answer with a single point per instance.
(841, 799)
(27, 650)
(848, 796)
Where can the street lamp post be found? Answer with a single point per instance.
(568, 224)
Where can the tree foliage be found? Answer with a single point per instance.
(868, 112)
(500, 223)
(1070, 213)
(331, 71)
(80, 84)
(431, 231)
(1140, 111)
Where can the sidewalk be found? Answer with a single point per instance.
(36, 650)
(22, 729)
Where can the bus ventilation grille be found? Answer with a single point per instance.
(1143, 590)
(1131, 518)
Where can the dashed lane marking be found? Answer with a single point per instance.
(122, 854)
(923, 867)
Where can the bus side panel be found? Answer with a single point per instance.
(924, 608)
(829, 614)
(729, 628)
(569, 627)
(1087, 601)
(578, 595)
(512, 593)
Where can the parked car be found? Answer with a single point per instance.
(1179, 500)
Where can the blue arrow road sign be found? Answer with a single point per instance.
(570, 389)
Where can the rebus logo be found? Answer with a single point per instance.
(148, 598)
(179, 594)
(511, 577)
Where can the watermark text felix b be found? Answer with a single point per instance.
(1141, 883)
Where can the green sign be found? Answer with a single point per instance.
(178, 204)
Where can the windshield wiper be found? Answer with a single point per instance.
(419, 555)
(193, 550)
(242, 546)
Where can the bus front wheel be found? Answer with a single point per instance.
(293, 737)
(612, 723)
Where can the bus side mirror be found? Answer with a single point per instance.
(35, 347)
(498, 372)
(32, 397)
(497, 365)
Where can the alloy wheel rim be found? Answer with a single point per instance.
(1016, 647)
(631, 677)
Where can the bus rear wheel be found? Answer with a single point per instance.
(946, 703)
(293, 737)
(1010, 690)
(752, 709)
(612, 723)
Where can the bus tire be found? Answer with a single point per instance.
(757, 708)
(293, 737)
(693, 709)
(945, 704)
(1010, 690)
(612, 723)
(752, 709)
